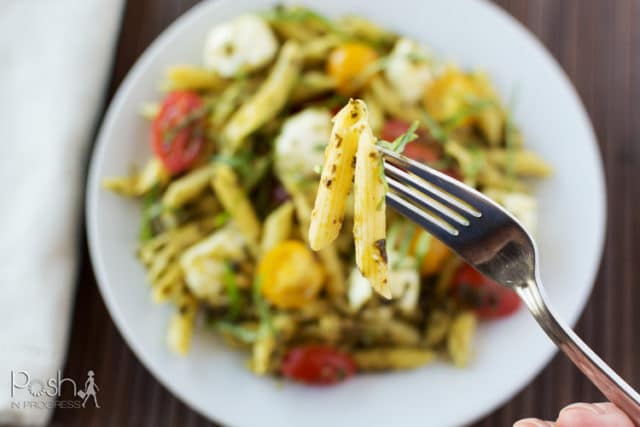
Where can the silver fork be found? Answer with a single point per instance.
(495, 243)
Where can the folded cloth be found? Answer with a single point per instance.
(54, 62)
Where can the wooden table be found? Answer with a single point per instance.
(597, 42)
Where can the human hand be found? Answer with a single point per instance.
(583, 415)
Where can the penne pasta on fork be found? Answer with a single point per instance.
(351, 157)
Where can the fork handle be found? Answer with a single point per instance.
(601, 375)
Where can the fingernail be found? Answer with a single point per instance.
(584, 407)
(531, 422)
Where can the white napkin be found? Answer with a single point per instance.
(55, 57)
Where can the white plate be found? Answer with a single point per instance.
(213, 380)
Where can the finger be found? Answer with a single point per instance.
(593, 415)
(534, 422)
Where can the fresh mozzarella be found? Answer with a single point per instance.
(300, 145)
(204, 263)
(407, 284)
(407, 70)
(359, 290)
(243, 44)
(404, 281)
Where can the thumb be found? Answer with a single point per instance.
(593, 415)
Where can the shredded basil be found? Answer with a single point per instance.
(473, 107)
(417, 58)
(319, 146)
(399, 144)
(241, 333)
(187, 120)
(240, 162)
(331, 102)
(235, 299)
(392, 236)
(256, 173)
(369, 71)
(422, 248)
(264, 313)
(435, 130)
(296, 14)
(477, 162)
(407, 236)
(221, 219)
(151, 208)
(251, 169)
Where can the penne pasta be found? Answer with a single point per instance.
(188, 187)
(336, 284)
(312, 84)
(180, 328)
(228, 101)
(138, 184)
(471, 164)
(315, 51)
(337, 174)
(392, 358)
(170, 284)
(267, 101)
(364, 29)
(491, 120)
(277, 227)
(262, 353)
(234, 200)
(369, 228)
(460, 338)
(437, 327)
(189, 77)
(525, 162)
(352, 133)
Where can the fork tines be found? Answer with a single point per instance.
(426, 196)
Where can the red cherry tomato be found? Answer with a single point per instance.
(420, 152)
(178, 131)
(393, 128)
(488, 299)
(419, 149)
(317, 364)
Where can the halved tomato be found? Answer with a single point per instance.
(487, 298)
(178, 131)
(317, 364)
(421, 149)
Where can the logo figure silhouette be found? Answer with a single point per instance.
(90, 390)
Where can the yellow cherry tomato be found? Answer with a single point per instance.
(435, 257)
(447, 94)
(290, 275)
(348, 60)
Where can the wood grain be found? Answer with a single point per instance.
(598, 44)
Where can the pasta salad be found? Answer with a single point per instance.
(231, 237)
